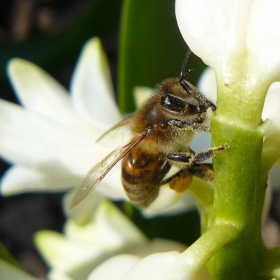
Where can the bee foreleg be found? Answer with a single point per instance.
(193, 125)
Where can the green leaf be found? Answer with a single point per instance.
(10, 272)
(151, 47)
(5, 255)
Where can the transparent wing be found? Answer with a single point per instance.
(120, 124)
(99, 171)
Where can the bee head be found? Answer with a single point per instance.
(185, 101)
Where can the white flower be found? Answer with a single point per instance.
(50, 140)
(233, 32)
(239, 41)
(110, 247)
(157, 266)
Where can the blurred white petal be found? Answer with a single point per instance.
(37, 142)
(271, 108)
(89, 247)
(207, 84)
(19, 179)
(263, 39)
(38, 92)
(163, 266)
(141, 94)
(81, 213)
(56, 274)
(114, 267)
(109, 229)
(51, 145)
(51, 140)
(91, 89)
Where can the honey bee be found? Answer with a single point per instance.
(162, 130)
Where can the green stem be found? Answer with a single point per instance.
(199, 253)
(239, 183)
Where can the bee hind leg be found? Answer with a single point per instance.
(203, 171)
(181, 180)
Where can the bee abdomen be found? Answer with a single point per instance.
(141, 195)
(140, 173)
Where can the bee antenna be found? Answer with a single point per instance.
(185, 72)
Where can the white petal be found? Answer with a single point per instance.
(18, 179)
(9, 272)
(81, 213)
(157, 246)
(166, 199)
(34, 142)
(56, 274)
(91, 88)
(39, 92)
(214, 29)
(141, 94)
(207, 84)
(31, 140)
(67, 255)
(109, 229)
(185, 203)
(114, 268)
(263, 40)
(161, 266)
(272, 105)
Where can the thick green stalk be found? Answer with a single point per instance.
(239, 187)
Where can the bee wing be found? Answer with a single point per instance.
(122, 123)
(99, 171)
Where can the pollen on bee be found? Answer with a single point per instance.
(181, 183)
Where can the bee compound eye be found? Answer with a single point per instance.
(173, 103)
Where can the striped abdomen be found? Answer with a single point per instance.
(141, 175)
